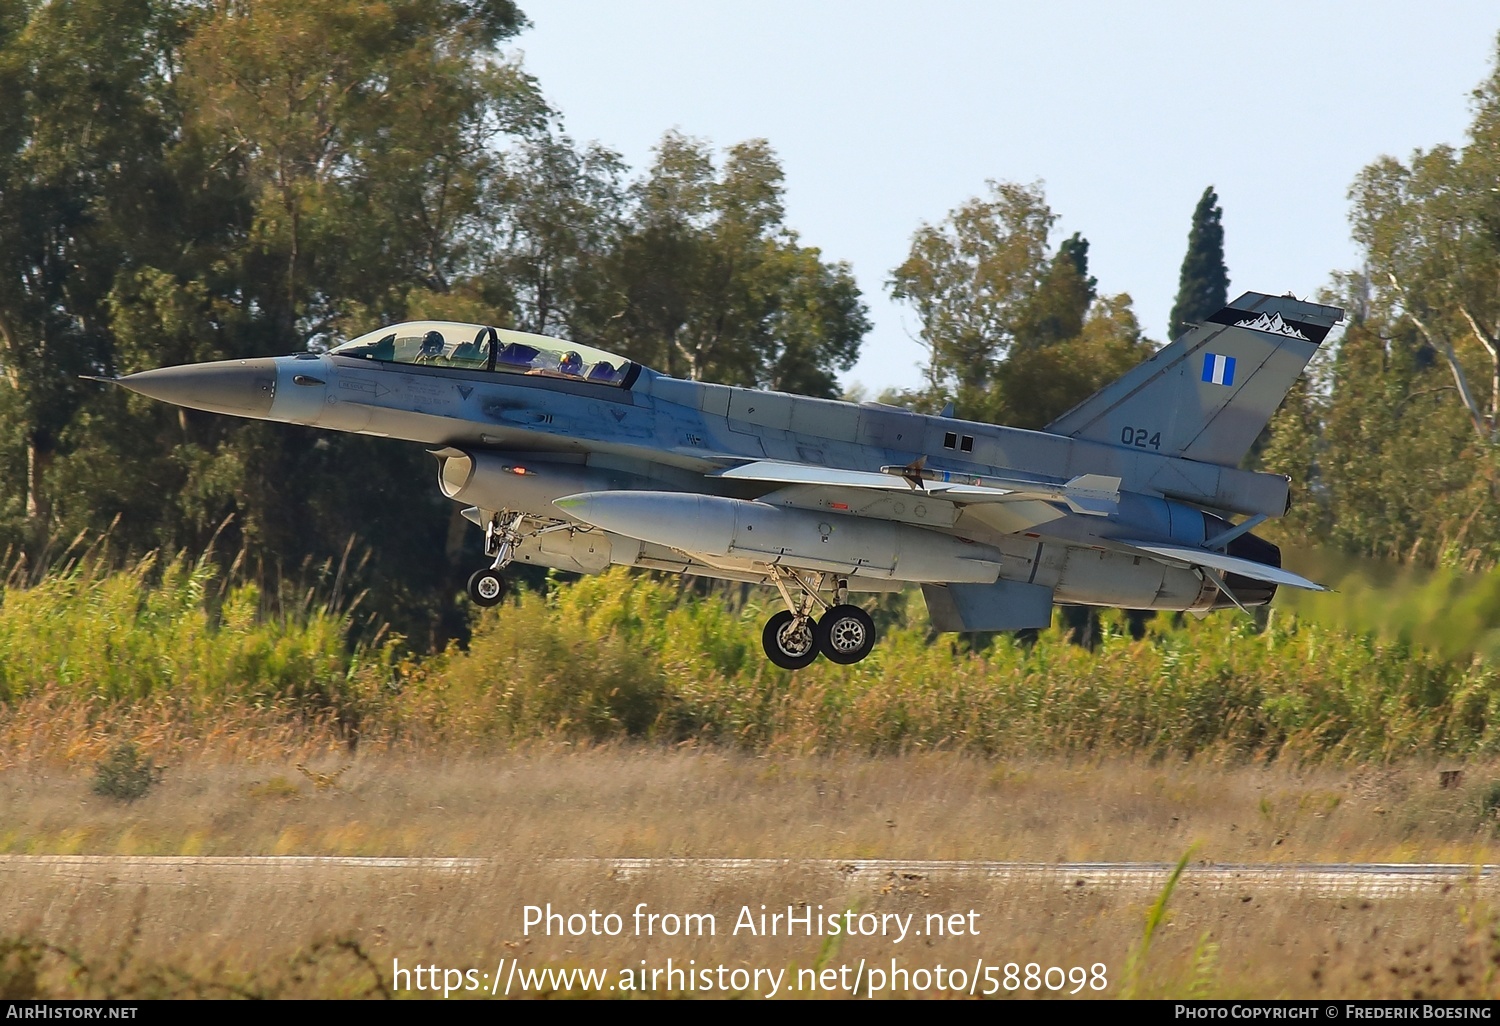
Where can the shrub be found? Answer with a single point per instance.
(126, 774)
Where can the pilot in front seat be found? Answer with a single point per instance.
(432, 347)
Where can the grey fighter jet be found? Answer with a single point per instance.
(570, 457)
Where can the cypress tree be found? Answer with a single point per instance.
(1203, 288)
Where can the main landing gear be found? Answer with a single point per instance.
(487, 587)
(793, 639)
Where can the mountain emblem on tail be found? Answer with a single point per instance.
(1273, 324)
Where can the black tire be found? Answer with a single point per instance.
(789, 649)
(846, 634)
(487, 588)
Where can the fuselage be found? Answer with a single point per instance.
(516, 440)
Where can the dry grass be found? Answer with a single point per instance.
(547, 801)
(246, 932)
(275, 932)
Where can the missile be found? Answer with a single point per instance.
(1090, 494)
(708, 526)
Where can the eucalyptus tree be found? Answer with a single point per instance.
(365, 137)
(1016, 333)
(971, 279)
(1430, 231)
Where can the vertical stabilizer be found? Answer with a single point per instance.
(1207, 395)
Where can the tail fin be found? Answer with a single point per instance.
(1207, 395)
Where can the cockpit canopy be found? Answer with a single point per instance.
(477, 347)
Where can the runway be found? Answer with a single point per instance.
(1352, 879)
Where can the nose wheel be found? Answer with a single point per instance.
(487, 587)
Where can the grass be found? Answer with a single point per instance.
(619, 716)
(616, 800)
(534, 808)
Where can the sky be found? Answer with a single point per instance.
(888, 115)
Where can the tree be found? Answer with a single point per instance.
(1038, 384)
(1014, 335)
(1407, 458)
(81, 133)
(1203, 286)
(561, 212)
(1056, 311)
(970, 280)
(1430, 230)
(365, 138)
(708, 282)
(314, 168)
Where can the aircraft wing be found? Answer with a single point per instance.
(1187, 555)
(1090, 494)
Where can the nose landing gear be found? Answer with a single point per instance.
(488, 587)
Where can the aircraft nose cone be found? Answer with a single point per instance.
(243, 388)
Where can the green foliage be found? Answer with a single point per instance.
(1036, 385)
(1203, 285)
(81, 134)
(623, 656)
(1015, 336)
(166, 636)
(971, 281)
(619, 657)
(1395, 436)
(1154, 917)
(126, 774)
(706, 281)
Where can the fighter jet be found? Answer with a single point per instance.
(567, 456)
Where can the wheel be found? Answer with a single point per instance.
(788, 646)
(846, 634)
(486, 587)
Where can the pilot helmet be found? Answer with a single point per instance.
(571, 363)
(432, 343)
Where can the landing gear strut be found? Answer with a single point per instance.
(487, 587)
(792, 638)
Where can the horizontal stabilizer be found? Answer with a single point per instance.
(1221, 562)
